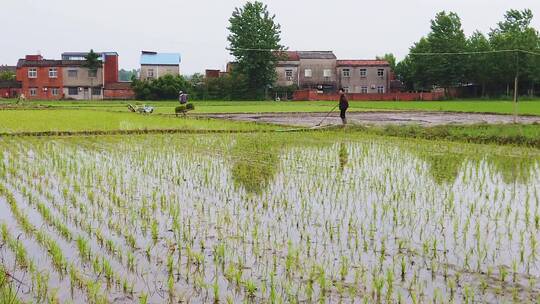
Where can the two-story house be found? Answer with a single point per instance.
(155, 65)
(321, 71)
(287, 69)
(70, 79)
(40, 78)
(364, 76)
(317, 70)
(80, 82)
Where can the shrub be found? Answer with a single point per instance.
(183, 109)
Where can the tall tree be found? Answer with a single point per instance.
(404, 72)
(419, 66)
(92, 63)
(516, 33)
(479, 65)
(446, 36)
(254, 38)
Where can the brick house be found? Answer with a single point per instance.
(69, 79)
(9, 88)
(155, 65)
(364, 76)
(40, 78)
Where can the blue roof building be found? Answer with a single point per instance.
(155, 65)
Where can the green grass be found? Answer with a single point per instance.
(167, 107)
(62, 120)
(510, 134)
(109, 116)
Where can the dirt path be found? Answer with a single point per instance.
(378, 118)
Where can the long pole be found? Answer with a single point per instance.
(516, 83)
(325, 117)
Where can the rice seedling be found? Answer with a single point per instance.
(284, 219)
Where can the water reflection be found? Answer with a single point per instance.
(255, 163)
(343, 156)
(513, 169)
(444, 168)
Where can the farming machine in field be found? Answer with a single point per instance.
(144, 109)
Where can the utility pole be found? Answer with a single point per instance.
(516, 83)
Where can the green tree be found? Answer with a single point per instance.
(162, 88)
(404, 72)
(390, 58)
(124, 75)
(420, 65)
(92, 63)
(480, 65)
(7, 75)
(446, 36)
(254, 38)
(516, 33)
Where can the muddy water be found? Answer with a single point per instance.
(298, 217)
(424, 118)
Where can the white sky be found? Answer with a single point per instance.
(353, 29)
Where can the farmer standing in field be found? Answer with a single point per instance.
(343, 105)
(182, 98)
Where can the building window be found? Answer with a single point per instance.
(150, 73)
(73, 91)
(32, 73)
(346, 89)
(380, 89)
(72, 74)
(96, 91)
(380, 72)
(54, 91)
(92, 73)
(363, 90)
(363, 73)
(33, 91)
(346, 73)
(327, 73)
(53, 73)
(289, 75)
(307, 73)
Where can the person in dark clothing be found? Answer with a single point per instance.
(343, 105)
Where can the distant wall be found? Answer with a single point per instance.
(119, 90)
(9, 92)
(312, 95)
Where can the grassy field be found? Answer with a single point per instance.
(511, 134)
(481, 106)
(77, 120)
(111, 117)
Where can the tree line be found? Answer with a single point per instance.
(489, 63)
(480, 65)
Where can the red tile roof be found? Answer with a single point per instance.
(288, 56)
(362, 63)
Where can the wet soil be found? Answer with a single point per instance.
(378, 118)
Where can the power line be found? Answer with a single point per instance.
(255, 50)
(475, 53)
(412, 53)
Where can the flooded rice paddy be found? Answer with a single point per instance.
(291, 218)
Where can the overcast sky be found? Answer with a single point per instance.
(353, 29)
